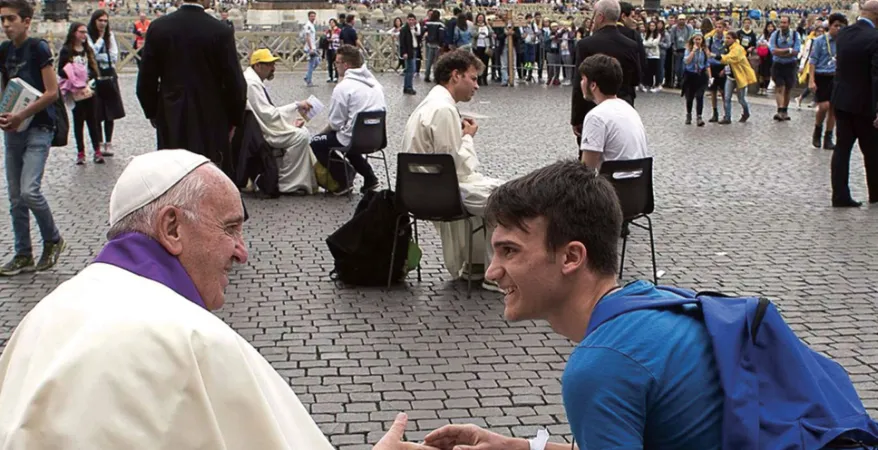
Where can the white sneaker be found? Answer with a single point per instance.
(108, 149)
(798, 102)
(657, 89)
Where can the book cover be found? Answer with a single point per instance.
(16, 97)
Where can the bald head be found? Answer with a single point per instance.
(607, 12)
(870, 10)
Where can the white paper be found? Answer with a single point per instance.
(316, 107)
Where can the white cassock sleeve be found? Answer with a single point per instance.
(275, 120)
(155, 387)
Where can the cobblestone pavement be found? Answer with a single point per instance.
(740, 208)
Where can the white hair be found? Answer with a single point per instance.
(610, 9)
(186, 194)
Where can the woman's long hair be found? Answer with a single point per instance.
(766, 33)
(89, 53)
(93, 28)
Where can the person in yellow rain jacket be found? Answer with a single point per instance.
(739, 75)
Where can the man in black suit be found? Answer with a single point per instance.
(191, 86)
(409, 41)
(628, 27)
(855, 99)
(608, 40)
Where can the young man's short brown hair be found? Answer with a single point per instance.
(25, 10)
(350, 55)
(459, 60)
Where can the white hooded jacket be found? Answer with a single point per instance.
(358, 91)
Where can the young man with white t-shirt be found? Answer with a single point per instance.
(612, 130)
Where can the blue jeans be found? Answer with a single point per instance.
(432, 52)
(409, 73)
(660, 76)
(26, 155)
(678, 67)
(313, 62)
(727, 98)
(504, 66)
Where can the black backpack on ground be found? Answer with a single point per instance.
(361, 247)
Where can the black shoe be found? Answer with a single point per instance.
(725, 122)
(778, 117)
(51, 253)
(688, 119)
(849, 203)
(786, 117)
(427, 80)
(700, 121)
(714, 119)
(744, 117)
(409, 92)
(815, 138)
(827, 142)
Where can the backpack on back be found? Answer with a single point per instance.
(779, 394)
(361, 248)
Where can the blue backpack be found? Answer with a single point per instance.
(779, 394)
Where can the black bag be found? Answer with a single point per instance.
(361, 247)
(62, 124)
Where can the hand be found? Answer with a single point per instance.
(812, 85)
(304, 107)
(470, 127)
(577, 130)
(231, 134)
(299, 123)
(405, 56)
(471, 437)
(10, 122)
(393, 439)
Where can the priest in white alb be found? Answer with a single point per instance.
(436, 127)
(282, 127)
(127, 355)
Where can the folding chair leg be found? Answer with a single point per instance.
(622, 259)
(393, 251)
(386, 169)
(417, 241)
(469, 247)
(652, 248)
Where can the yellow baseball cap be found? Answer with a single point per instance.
(263, 55)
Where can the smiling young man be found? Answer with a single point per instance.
(645, 379)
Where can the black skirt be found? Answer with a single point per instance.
(694, 82)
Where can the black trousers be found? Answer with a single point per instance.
(84, 114)
(321, 145)
(851, 127)
(330, 64)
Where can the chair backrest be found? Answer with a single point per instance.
(370, 132)
(633, 182)
(426, 187)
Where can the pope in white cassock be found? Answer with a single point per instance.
(281, 126)
(436, 127)
(127, 355)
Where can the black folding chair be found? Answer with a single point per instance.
(633, 182)
(368, 137)
(427, 189)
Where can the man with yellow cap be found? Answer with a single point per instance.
(281, 126)
(127, 355)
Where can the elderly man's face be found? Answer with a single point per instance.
(213, 242)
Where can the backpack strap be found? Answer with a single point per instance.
(605, 311)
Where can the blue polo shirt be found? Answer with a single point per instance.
(790, 40)
(823, 54)
(645, 379)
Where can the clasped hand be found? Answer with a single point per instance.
(10, 121)
(449, 437)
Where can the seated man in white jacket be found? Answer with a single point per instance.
(436, 127)
(282, 127)
(126, 354)
(357, 92)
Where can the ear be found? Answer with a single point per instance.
(167, 230)
(574, 257)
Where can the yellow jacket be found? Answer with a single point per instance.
(736, 58)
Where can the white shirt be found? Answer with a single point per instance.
(414, 37)
(309, 34)
(614, 128)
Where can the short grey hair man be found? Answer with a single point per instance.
(609, 9)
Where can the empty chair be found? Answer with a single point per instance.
(633, 182)
(427, 189)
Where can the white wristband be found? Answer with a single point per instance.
(539, 442)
